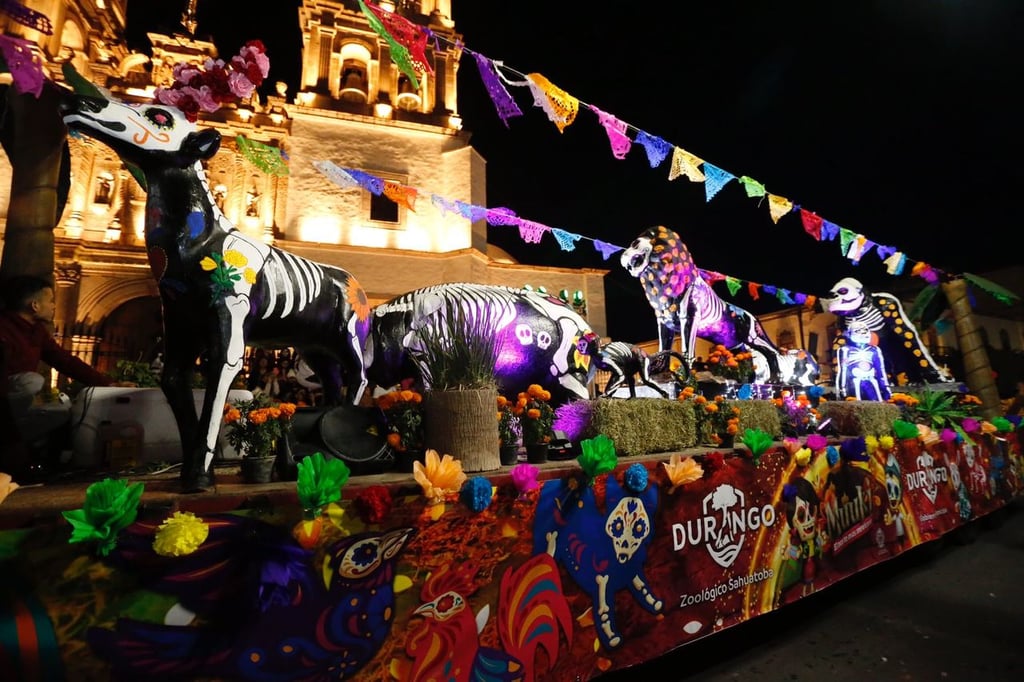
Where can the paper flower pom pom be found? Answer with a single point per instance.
(110, 506)
(831, 455)
(789, 492)
(791, 445)
(817, 442)
(524, 477)
(476, 493)
(970, 425)
(886, 443)
(373, 504)
(871, 443)
(1002, 424)
(854, 450)
(635, 479)
(438, 476)
(713, 461)
(319, 482)
(597, 456)
(180, 535)
(758, 440)
(948, 435)
(905, 430)
(803, 457)
(681, 471)
(7, 486)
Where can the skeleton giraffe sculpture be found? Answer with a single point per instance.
(687, 305)
(220, 289)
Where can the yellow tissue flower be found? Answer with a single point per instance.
(7, 486)
(682, 471)
(871, 443)
(439, 476)
(180, 535)
(886, 442)
(803, 456)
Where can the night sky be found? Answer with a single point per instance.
(897, 120)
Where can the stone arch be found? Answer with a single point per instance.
(96, 302)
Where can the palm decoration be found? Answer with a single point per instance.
(954, 294)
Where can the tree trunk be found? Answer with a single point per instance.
(972, 347)
(33, 135)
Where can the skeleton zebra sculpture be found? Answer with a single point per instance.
(220, 289)
(687, 305)
(625, 361)
(540, 339)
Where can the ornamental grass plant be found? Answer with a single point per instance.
(458, 349)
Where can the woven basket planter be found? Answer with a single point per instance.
(462, 424)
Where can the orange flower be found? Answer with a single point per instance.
(232, 415)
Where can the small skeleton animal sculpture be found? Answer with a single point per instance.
(220, 289)
(625, 361)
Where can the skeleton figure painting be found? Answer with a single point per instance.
(861, 367)
(221, 290)
(686, 305)
(624, 362)
(892, 332)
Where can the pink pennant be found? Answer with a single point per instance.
(616, 129)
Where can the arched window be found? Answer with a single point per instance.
(354, 84)
(104, 187)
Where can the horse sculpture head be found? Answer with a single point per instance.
(148, 135)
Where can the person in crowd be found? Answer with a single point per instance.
(1015, 407)
(26, 341)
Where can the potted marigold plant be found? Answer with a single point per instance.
(537, 419)
(738, 367)
(254, 428)
(403, 413)
(509, 432)
(717, 421)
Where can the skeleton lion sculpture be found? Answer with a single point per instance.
(221, 290)
(686, 305)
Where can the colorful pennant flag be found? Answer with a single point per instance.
(400, 194)
(657, 149)
(406, 40)
(560, 107)
(605, 248)
(566, 240)
(894, 264)
(812, 223)
(503, 101)
(336, 174)
(531, 232)
(716, 180)
(778, 207)
(265, 157)
(685, 163)
(616, 130)
(752, 187)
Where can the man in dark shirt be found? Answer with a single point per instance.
(25, 341)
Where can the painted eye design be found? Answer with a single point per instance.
(161, 118)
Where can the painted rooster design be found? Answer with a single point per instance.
(532, 610)
(265, 613)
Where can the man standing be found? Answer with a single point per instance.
(25, 341)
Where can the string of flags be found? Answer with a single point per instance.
(562, 109)
(530, 231)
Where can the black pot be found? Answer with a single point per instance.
(509, 455)
(537, 453)
(258, 469)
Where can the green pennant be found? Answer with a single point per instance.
(846, 238)
(752, 187)
(399, 52)
(733, 284)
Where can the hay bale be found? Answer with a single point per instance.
(759, 414)
(644, 425)
(860, 417)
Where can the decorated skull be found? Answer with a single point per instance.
(847, 296)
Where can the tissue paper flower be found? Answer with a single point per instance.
(817, 442)
(948, 435)
(758, 441)
(1002, 424)
(871, 443)
(319, 482)
(791, 445)
(7, 486)
(681, 471)
(970, 425)
(524, 476)
(110, 506)
(635, 479)
(803, 457)
(988, 427)
(440, 476)
(886, 443)
(373, 504)
(477, 493)
(905, 430)
(927, 435)
(180, 535)
(597, 456)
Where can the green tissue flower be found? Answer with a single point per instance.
(905, 430)
(758, 441)
(598, 456)
(110, 505)
(320, 481)
(1002, 424)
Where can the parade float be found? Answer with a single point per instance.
(671, 520)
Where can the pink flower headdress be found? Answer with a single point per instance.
(206, 89)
